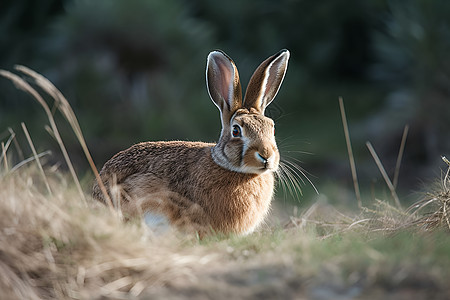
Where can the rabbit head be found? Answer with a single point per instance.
(247, 141)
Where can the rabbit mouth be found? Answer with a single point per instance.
(264, 169)
(256, 170)
(267, 168)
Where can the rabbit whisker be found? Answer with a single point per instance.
(289, 181)
(291, 178)
(303, 172)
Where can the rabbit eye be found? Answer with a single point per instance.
(236, 132)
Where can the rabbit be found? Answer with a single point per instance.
(207, 188)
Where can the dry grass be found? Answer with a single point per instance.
(55, 247)
(56, 243)
(435, 205)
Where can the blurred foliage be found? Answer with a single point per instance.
(134, 70)
(414, 59)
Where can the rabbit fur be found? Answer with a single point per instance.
(203, 187)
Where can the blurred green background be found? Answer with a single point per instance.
(134, 71)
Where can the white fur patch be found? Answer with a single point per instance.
(158, 223)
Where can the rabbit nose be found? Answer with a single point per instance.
(261, 158)
(266, 160)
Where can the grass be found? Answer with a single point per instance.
(56, 243)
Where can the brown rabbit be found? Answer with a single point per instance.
(201, 187)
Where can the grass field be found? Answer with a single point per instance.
(57, 243)
(56, 247)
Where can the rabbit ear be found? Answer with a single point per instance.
(266, 81)
(222, 80)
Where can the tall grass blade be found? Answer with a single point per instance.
(384, 174)
(64, 107)
(16, 144)
(5, 148)
(23, 85)
(446, 160)
(41, 170)
(400, 157)
(5, 161)
(25, 161)
(350, 153)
